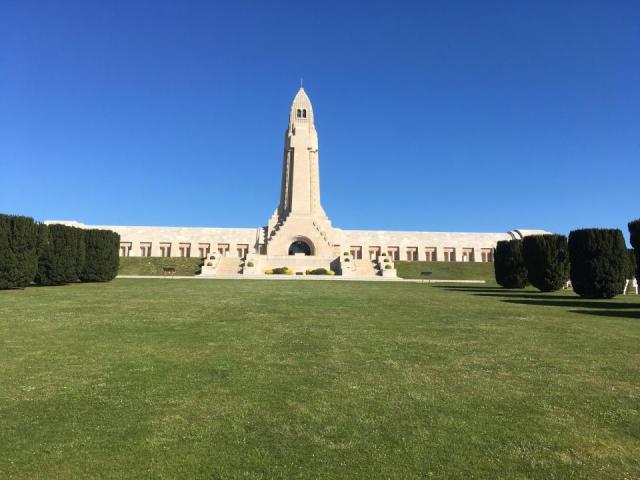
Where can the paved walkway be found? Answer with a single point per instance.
(300, 277)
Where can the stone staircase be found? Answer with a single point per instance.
(322, 233)
(277, 226)
(365, 268)
(230, 266)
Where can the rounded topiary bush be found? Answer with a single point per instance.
(599, 262)
(318, 271)
(509, 267)
(547, 260)
(282, 271)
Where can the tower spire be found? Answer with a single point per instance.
(300, 193)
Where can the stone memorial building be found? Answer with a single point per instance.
(299, 234)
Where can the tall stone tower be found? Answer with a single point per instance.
(299, 225)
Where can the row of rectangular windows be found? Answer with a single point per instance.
(184, 249)
(430, 254)
(449, 254)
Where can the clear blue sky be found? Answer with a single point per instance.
(462, 116)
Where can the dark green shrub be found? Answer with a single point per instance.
(631, 264)
(634, 231)
(599, 262)
(101, 259)
(9, 267)
(547, 260)
(282, 271)
(318, 271)
(508, 264)
(19, 238)
(62, 255)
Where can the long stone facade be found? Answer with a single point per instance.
(299, 234)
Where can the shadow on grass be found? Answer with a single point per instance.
(606, 308)
(607, 313)
(570, 303)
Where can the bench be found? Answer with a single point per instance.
(168, 271)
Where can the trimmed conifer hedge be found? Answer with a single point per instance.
(547, 260)
(634, 230)
(18, 251)
(509, 267)
(61, 255)
(54, 254)
(599, 262)
(101, 259)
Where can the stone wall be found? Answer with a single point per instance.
(465, 246)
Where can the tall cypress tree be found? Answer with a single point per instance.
(631, 265)
(547, 261)
(18, 251)
(509, 267)
(101, 257)
(634, 230)
(61, 256)
(8, 261)
(599, 262)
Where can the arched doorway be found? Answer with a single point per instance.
(299, 246)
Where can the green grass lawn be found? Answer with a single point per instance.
(250, 379)
(154, 265)
(446, 270)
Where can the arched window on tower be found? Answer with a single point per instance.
(299, 113)
(304, 113)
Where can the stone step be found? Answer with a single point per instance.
(365, 268)
(229, 266)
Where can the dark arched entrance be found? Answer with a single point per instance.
(299, 246)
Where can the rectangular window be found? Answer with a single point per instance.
(487, 254)
(125, 249)
(203, 249)
(412, 254)
(223, 249)
(374, 252)
(394, 253)
(184, 249)
(449, 254)
(431, 254)
(242, 250)
(467, 255)
(356, 252)
(165, 249)
(145, 249)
